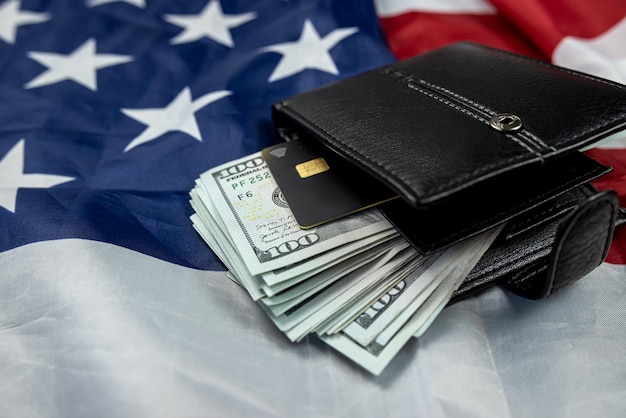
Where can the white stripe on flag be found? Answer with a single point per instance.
(89, 326)
(387, 8)
(603, 56)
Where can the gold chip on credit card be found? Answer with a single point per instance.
(311, 168)
(319, 185)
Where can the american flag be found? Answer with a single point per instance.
(109, 109)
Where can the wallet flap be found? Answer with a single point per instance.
(494, 201)
(446, 120)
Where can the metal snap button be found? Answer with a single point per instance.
(505, 122)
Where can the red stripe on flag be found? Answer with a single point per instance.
(412, 33)
(532, 27)
(545, 23)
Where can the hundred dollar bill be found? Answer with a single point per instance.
(417, 315)
(320, 271)
(352, 311)
(353, 282)
(302, 320)
(293, 296)
(261, 225)
(421, 282)
(296, 273)
(208, 225)
(208, 229)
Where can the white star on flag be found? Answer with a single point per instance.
(210, 22)
(309, 52)
(79, 66)
(138, 3)
(12, 177)
(11, 18)
(179, 115)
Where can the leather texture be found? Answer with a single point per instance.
(582, 243)
(424, 127)
(494, 201)
(550, 247)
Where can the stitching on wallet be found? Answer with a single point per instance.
(457, 180)
(410, 81)
(475, 116)
(533, 139)
(482, 107)
(447, 102)
(524, 133)
(525, 145)
(528, 222)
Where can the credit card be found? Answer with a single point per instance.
(319, 185)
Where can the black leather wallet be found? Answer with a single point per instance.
(471, 137)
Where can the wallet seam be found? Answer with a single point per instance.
(457, 181)
(529, 222)
(410, 81)
(524, 133)
(469, 113)
(595, 128)
(429, 193)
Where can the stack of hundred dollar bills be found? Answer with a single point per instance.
(355, 283)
